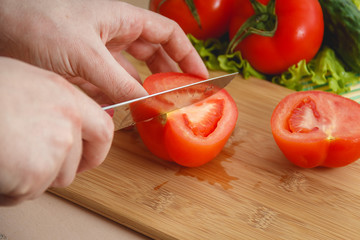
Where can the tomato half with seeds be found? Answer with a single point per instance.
(190, 136)
(316, 128)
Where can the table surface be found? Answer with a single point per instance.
(50, 217)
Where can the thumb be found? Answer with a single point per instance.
(100, 68)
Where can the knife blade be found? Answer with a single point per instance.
(196, 92)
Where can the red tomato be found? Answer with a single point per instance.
(314, 128)
(298, 36)
(190, 136)
(214, 16)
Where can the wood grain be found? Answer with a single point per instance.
(250, 191)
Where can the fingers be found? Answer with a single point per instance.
(160, 30)
(126, 65)
(92, 136)
(61, 131)
(95, 92)
(138, 27)
(101, 69)
(154, 55)
(68, 169)
(97, 133)
(91, 90)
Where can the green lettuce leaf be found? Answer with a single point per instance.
(294, 77)
(357, 3)
(324, 72)
(213, 53)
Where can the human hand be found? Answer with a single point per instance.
(49, 131)
(83, 40)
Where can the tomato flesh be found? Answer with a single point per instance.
(193, 135)
(202, 118)
(315, 128)
(305, 117)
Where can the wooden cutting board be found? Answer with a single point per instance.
(250, 191)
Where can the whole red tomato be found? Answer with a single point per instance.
(190, 136)
(314, 128)
(298, 36)
(214, 16)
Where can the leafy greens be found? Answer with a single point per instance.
(324, 72)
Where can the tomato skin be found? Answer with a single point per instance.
(152, 134)
(172, 139)
(342, 152)
(214, 16)
(298, 36)
(335, 144)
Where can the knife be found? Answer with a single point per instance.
(196, 92)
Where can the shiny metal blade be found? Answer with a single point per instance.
(181, 97)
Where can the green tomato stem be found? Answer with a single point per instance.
(264, 22)
(194, 12)
(191, 5)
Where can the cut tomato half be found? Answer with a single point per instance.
(316, 128)
(190, 136)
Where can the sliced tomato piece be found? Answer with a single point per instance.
(315, 128)
(190, 136)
